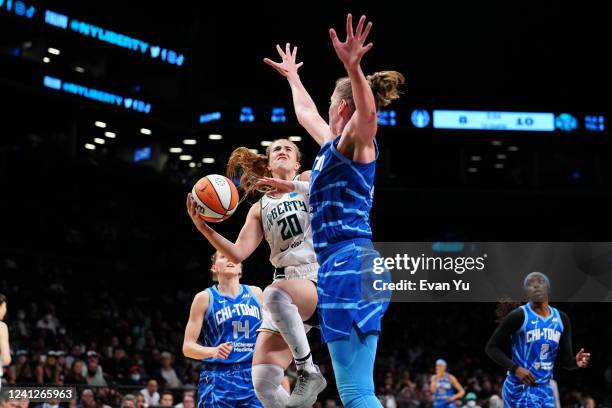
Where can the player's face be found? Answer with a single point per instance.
(283, 155)
(2, 310)
(225, 267)
(440, 369)
(537, 289)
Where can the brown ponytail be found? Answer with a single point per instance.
(249, 167)
(385, 86)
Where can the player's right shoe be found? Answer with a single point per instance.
(307, 388)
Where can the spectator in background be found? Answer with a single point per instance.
(93, 371)
(53, 403)
(48, 323)
(330, 403)
(188, 400)
(118, 366)
(150, 393)
(589, 403)
(75, 354)
(75, 376)
(470, 401)
(128, 401)
(87, 399)
(167, 399)
(134, 377)
(22, 369)
(140, 401)
(495, 402)
(48, 371)
(167, 374)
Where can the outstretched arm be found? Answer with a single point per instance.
(249, 238)
(305, 108)
(363, 124)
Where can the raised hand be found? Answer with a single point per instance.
(582, 358)
(352, 49)
(288, 65)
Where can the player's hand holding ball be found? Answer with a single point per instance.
(213, 198)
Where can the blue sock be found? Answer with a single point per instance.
(353, 361)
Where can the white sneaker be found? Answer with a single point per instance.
(307, 388)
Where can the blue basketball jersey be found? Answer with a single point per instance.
(536, 343)
(341, 193)
(232, 319)
(445, 389)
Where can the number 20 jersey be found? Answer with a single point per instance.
(286, 225)
(233, 319)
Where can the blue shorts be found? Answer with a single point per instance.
(227, 385)
(346, 289)
(518, 395)
(444, 404)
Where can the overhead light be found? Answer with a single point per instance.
(501, 156)
(266, 143)
(295, 138)
(100, 124)
(176, 150)
(215, 137)
(110, 135)
(513, 148)
(208, 160)
(496, 143)
(185, 157)
(90, 146)
(254, 151)
(476, 158)
(189, 141)
(472, 170)
(99, 140)
(499, 165)
(46, 60)
(192, 164)
(145, 131)
(53, 51)
(27, 44)
(79, 69)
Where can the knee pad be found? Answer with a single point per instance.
(267, 379)
(275, 299)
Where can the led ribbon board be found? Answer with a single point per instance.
(96, 95)
(518, 121)
(120, 40)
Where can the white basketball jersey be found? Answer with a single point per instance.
(286, 225)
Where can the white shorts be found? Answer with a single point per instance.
(307, 271)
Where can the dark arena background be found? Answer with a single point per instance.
(502, 134)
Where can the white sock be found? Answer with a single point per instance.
(287, 319)
(267, 380)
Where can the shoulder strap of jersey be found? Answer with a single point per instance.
(211, 302)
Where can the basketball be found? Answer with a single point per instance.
(216, 197)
